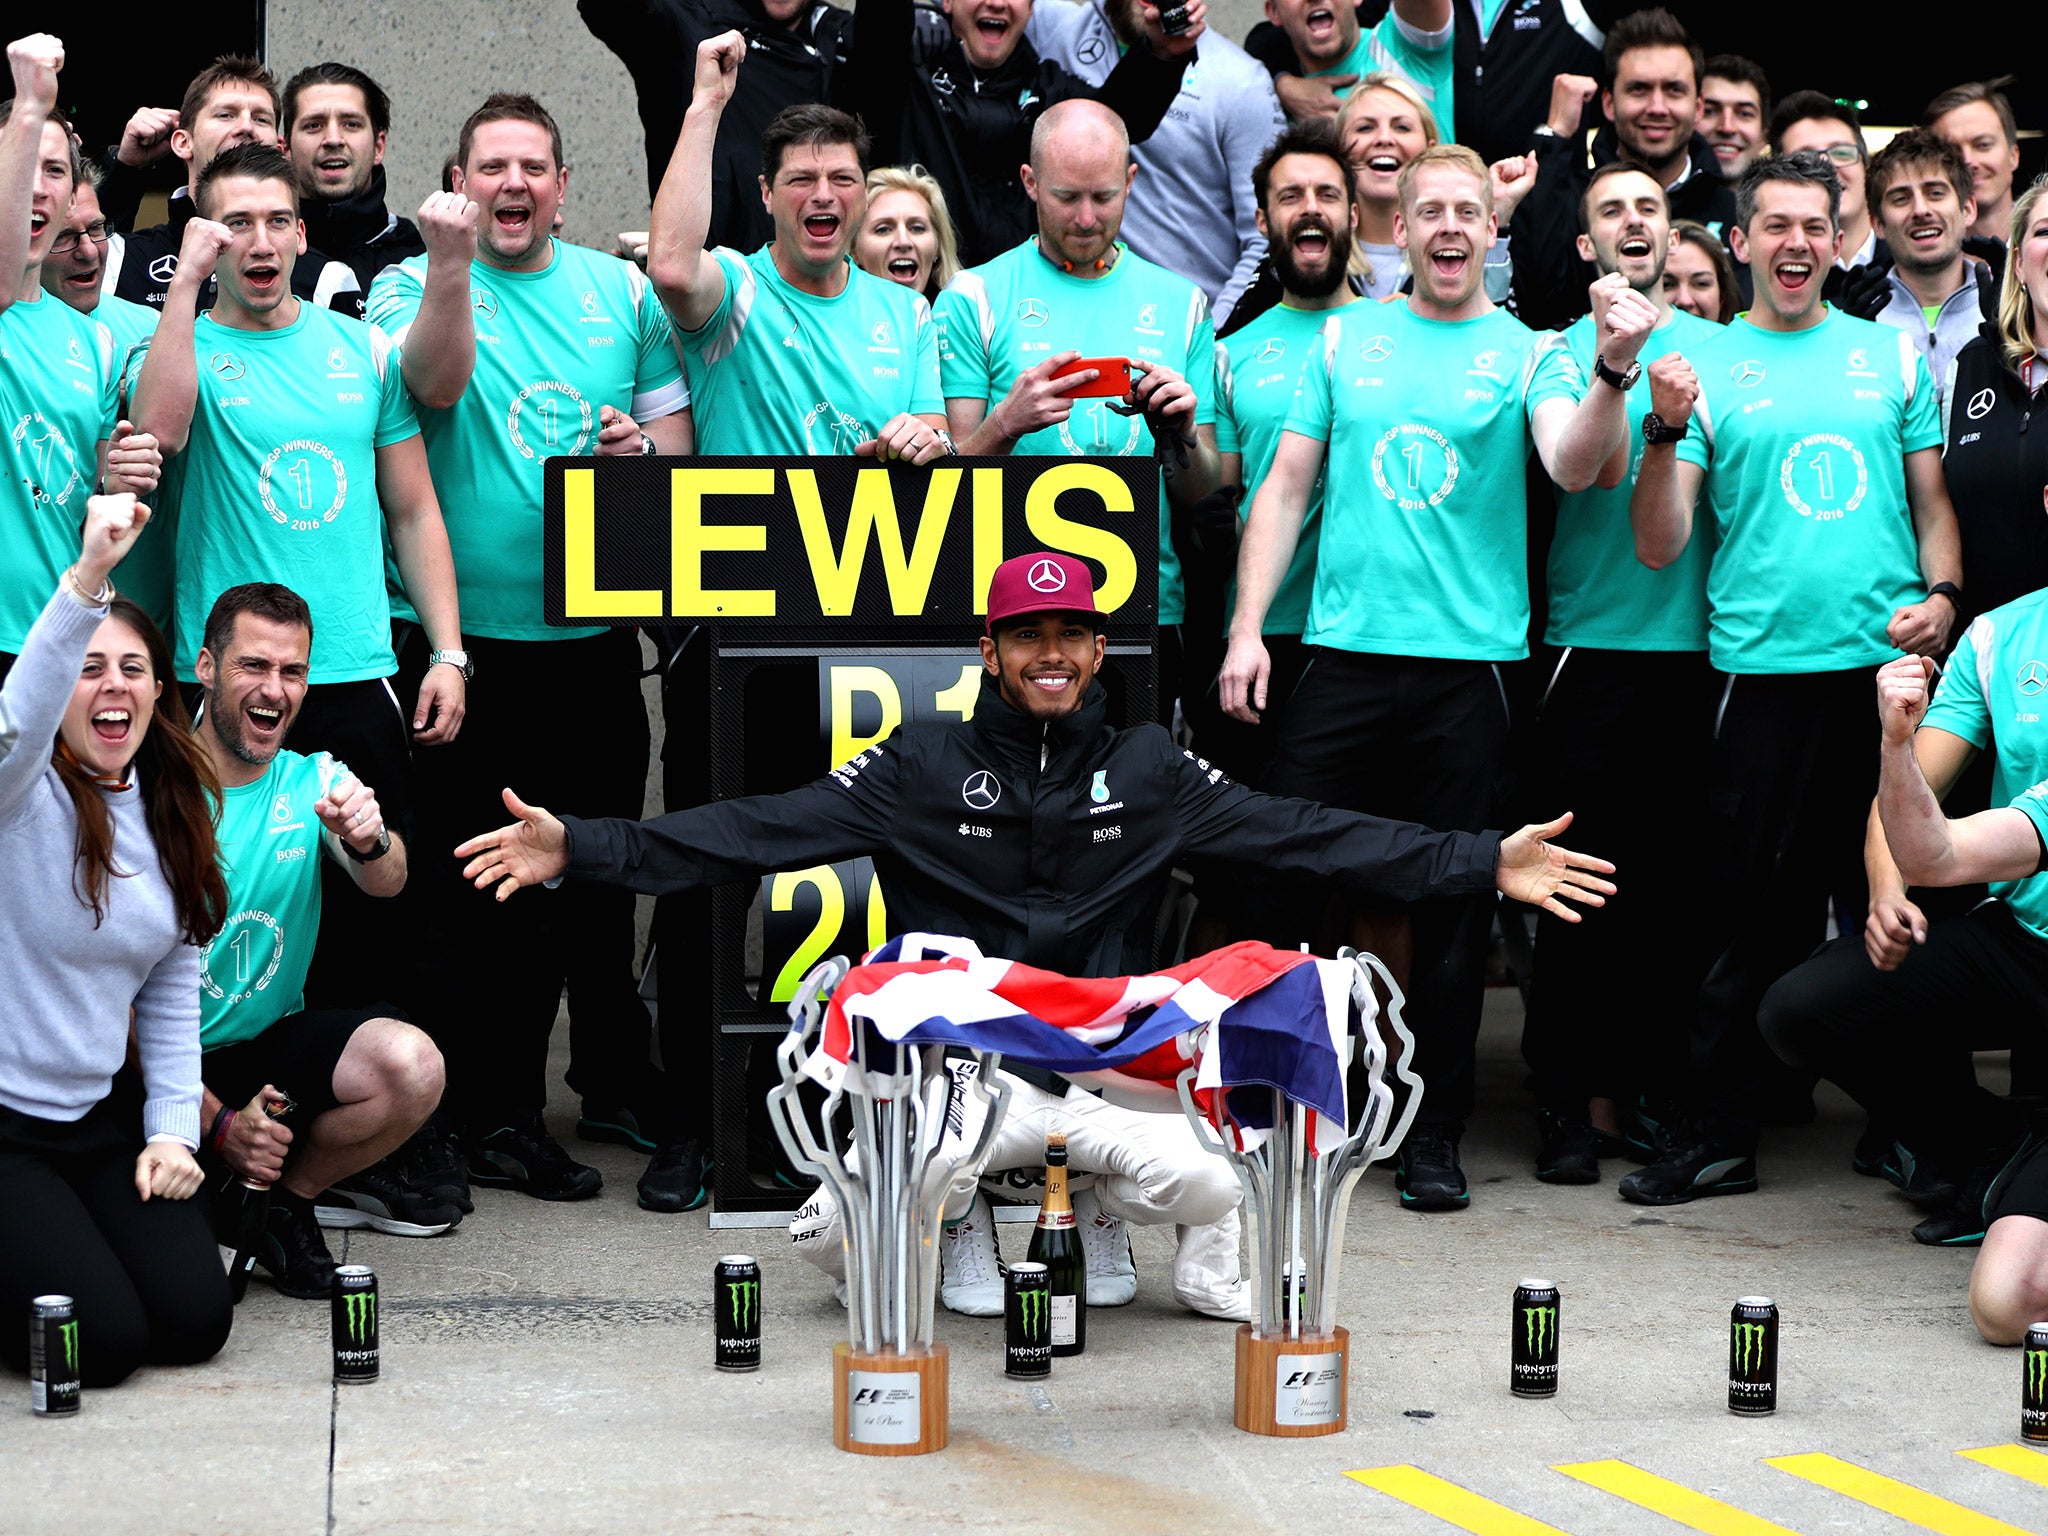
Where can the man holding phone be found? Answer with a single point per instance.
(1011, 331)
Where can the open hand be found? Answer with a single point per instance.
(532, 851)
(1530, 869)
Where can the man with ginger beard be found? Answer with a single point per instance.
(1817, 440)
(1627, 682)
(1421, 413)
(1303, 187)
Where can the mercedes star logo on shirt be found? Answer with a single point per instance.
(1980, 404)
(1031, 312)
(1747, 374)
(981, 790)
(2033, 678)
(1377, 349)
(1047, 577)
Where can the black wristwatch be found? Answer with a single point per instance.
(377, 851)
(1621, 381)
(1949, 590)
(1656, 431)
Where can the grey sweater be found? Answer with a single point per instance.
(69, 985)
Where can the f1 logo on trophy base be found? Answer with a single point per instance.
(890, 1179)
(1298, 1172)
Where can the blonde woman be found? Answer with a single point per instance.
(1384, 124)
(1994, 465)
(907, 234)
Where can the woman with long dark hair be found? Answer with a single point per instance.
(109, 883)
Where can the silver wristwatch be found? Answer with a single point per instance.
(459, 660)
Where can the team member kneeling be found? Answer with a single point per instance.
(1072, 830)
(360, 1081)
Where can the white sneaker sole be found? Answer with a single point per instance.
(342, 1218)
(981, 1301)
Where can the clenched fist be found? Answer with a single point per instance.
(36, 61)
(1674, 389)
(448, 223)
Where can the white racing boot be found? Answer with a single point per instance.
(970, 1267)
(1206, 1273)
(1106, 1243)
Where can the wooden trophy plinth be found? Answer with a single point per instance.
(1292, 1387)
(889, 1404)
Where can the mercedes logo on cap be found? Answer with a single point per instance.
(1046, 576)
(981, 790)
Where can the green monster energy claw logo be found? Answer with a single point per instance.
(69, 1333)
(743, 1301)
(2037, 1376)
(1539, 1329)
(1031, 1312)
(1749, 1347)
(360, 1315)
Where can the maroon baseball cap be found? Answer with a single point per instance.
(1042, 582)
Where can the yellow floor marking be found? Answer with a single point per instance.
(2016, 1459)
(1447, 1501)
(1913, 1505)
(1672, 1500)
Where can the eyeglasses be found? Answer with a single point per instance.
(67, 242)
(1844, 154)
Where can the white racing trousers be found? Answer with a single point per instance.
(1146, 1168)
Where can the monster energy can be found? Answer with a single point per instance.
(1027, 1321)
(356, 1355)
(1532, 1340)
(2034, 1384)
(1753, 1356)
(736, 1313)
(53, 1355)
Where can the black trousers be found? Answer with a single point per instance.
(1899, 1042)
(563, 724)
(145, 1274)
(1415, 739)
(1791, 775)
(1621, 742)
(1243, 751)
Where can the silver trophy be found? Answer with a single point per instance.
(1299, 1201)
(891, 1181)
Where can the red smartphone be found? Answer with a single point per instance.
(1113, 376)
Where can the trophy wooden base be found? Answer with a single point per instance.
(889, 1404)
(1292, 1387)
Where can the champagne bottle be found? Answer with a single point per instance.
(1056, 1243)
(240, 1213)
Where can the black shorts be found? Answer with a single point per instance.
(297, 1056)
(2026, 1188)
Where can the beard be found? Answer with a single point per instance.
(1321, 282)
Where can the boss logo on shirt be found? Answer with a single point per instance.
(547, 418)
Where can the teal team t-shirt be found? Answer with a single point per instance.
(777, 370)
(1256, 371)
(148, 575)
(254, 971)
(1425, 511)
(1387, 46)
(1601, 595)
(552, 347)
(1012, 313)
(58, 375)
(278, 481)
(1803, 435)
(1994, 695)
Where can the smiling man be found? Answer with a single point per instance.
(1421, 414)
(337, 121)
(1735, 104)
(1041, 833)
(1412, 40)
(359, 1080)
(1978, 120)
(1817, 440)
(1920, 187)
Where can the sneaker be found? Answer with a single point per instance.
(970, 1267)
(1567, 1154)
(1872, 1148)
(432, 1166)
(615, 1123)
(1646, 1128)
(1963, 1222)
(1611, 1144)
(378, 1196)
(523, 1156)
(1921, 1183)
(1207, 1270)
(1427, 1172)
(674, 1180)
(1112, 1278)
(1693, 1165)
(293, 1252)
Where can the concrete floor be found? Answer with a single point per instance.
(548, 1368)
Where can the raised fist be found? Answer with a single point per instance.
(1674, 389)
(36, 61)
(201, 248)
(1568, 97)
(448, 222)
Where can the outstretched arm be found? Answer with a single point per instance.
(684, 273)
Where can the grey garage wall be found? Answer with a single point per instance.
(439, 58)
